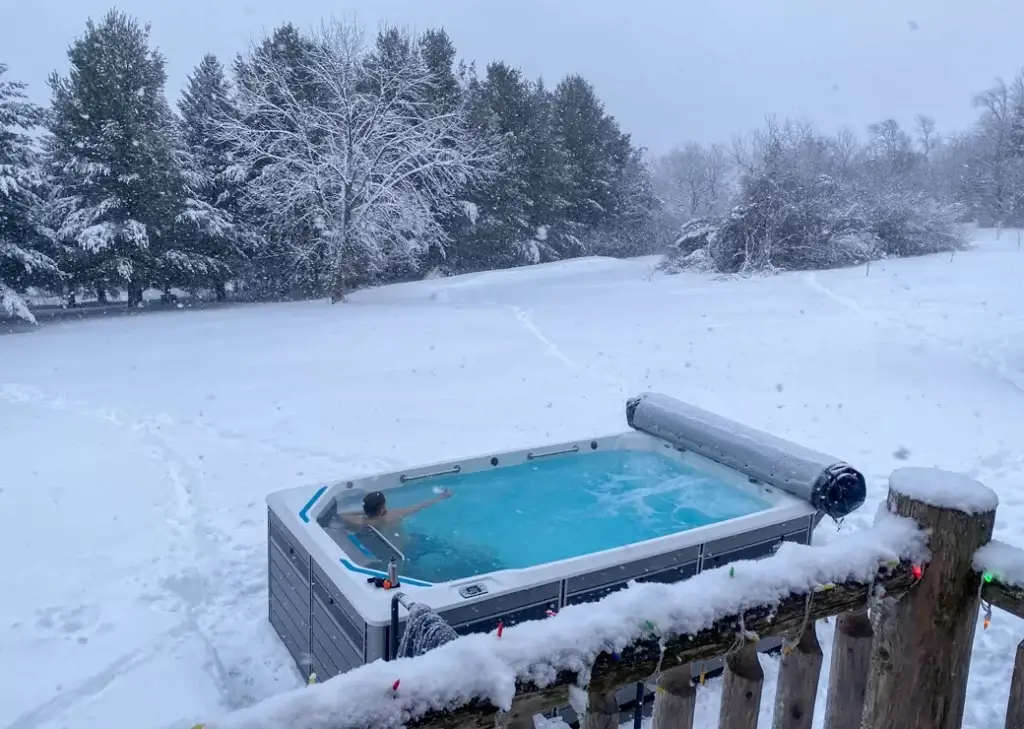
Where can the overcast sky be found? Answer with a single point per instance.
(669, 70)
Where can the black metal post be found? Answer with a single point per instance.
(638, 708)
(392, 651)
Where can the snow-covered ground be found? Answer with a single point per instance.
(137, 451)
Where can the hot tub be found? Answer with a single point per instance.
(529, 531)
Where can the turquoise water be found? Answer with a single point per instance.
(556, 508)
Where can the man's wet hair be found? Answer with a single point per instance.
(373, 504)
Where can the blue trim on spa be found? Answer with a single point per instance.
(304, 513)
(374, 573)
(360, 546)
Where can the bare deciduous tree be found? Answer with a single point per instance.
(891, 147)
(358, 173)
(692, 181)
(997, 174)
(924, 125)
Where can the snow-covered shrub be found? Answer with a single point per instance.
(913, 224)
(804, 203)
(694, 235)
(690, 250)
(698, 261)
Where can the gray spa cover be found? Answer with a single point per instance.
(829, 484)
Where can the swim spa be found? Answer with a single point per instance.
(527, 532)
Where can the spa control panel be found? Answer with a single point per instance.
(474, 590)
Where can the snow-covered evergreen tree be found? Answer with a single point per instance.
(598, 154)
(23, 260)
(633, 230)
(547, 165)
(503, 220)
(117, 188)
(438, 54)
(209, 224)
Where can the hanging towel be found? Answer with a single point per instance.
(424, 631)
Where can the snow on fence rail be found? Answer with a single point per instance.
(1001, 567)
(922, 570)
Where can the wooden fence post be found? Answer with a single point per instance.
(798, 683)
(922, 649)
(602, 712)
(1015, 707)
(675, 700)
(848, 671)
(505, 721)
(741, 690)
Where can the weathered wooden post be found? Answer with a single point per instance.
(922, 649)
(602, 711)
(1015, 706)
(848, 671)
(798, 683)
(508, 721)
(503, 720)
(675, 700)
(741, 690)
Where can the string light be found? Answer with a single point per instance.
(312, 678)
(395, 685)
(501, 627)
(988, 616)
(703, 674)
(916, 571)
(988, 577)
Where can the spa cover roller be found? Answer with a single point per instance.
(830, 485)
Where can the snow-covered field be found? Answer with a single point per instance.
(136, 452)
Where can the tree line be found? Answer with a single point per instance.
(322, 161)
(318, 162)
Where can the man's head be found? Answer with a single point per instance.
(374, 504)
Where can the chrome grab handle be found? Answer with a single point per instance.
(386, 541)
(531, 455)
(406, 479)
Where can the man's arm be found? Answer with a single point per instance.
(410, 510)
(351, 517)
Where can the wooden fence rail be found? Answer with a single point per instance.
(900, 653)
(641, 661)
